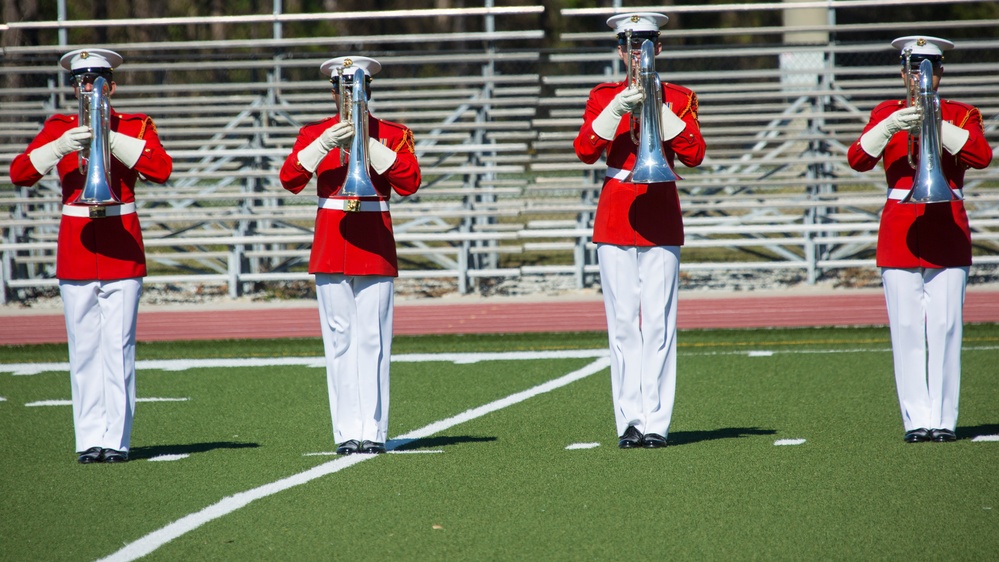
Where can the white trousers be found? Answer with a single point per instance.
(640, 297)
(100, 329)
(356, 317)
(926, 317)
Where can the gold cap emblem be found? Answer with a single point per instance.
(921, 42)
(347, 62)
(84, 55)
(634, 19)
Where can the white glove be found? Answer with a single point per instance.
(670, 124)
(380, 156)
(953, 137)
(73, 140)
(337, 136)
(125, 148)
(45, 157)
(626, 101)
(874, 141)
(908, 119)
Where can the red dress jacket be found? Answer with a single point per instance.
(106, 248)
(354, 243)
(933, 235)
(631, 214)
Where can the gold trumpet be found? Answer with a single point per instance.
(912, 99)
(344, 105)
(632, 80)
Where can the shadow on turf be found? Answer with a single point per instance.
(431, 442)
(689, 437)
(137, 453)
(972, 431)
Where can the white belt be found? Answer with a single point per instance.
(98, 211)
(618, 173)
(345, 205)
(898, 194)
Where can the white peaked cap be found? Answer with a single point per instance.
(90, 58)
(637, 21)
(923, 45)
(350, 66)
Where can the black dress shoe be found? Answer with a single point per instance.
(112, 456)
(943, 435)
(631, 439)
(348, 447)
(917, 435)
(91, 455)
(653, 441)
(372, 447)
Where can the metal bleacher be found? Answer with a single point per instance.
(494, 112)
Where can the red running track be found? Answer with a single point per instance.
(500, 315)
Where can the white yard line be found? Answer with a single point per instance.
(456, 358)
(158, 538)
(70, 402)
(391, 452)
(317, 362)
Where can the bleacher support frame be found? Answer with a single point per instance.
(503, 193)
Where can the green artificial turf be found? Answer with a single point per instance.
(503, 486)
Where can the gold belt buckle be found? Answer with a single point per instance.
(353, 205)
(98, 211)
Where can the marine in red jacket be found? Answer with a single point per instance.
(639, 230)
(634, 214)
(97, 248)
(353, 253)
(100, 260)
(928, 235)
(352, 243)
(924, 249)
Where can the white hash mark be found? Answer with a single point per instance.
(169, 457)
